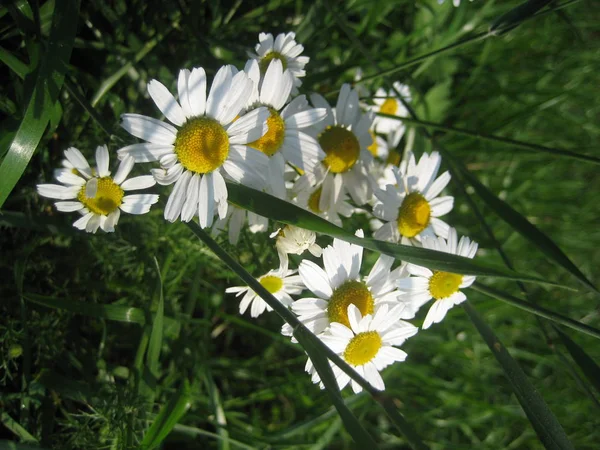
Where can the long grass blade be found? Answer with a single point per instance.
(39, 109)
(545, 424)
(537, 310)
(268, 206)
(588, 366)
(16, 428)
(156, 333)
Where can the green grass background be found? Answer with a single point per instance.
(74, 381)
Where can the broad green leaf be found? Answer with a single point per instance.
(167, 418)
(268, 206)
(300, 331)
(537, 310)
(588, 366)
(50, 77)
(13, 63)
(545, 424)
(519, 223)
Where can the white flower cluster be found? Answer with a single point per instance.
(251, 127)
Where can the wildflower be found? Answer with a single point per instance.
(411, 207)
(295, 240)
(387, 102)
(205, 140)
(95, 194)
(309, 198)
(444, 287)
(368, 344)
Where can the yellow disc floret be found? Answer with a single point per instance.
(373, 147)
(444, 284)
(271, 283)
(341, 147)
(202, 145)
(350, 292)
(314, 200)
(272, 141)
(266, 60)
(393, 158)
(414, 214)
(362, 348)
(390, 106)
(108, 198)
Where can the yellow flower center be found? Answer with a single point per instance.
(394, 158)
(108, 198)
(202, 145)
(413, 216)
(271, 283)
(390, 106)
(266, 60)
(271, 142)
(373, 147)
(362, 348)
(314, 200)
(341, 148)
(444, 284)
(351, 292)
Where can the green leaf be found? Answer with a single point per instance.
(588, 366)
(13, 63)
(537, 310)
(519, 223)
(268, 206)
(40, 107)
(16, 428)
(545, 424)
(167, 418)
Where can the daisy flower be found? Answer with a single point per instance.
(339, 285)
(344, 137)
(295, 240)
(283, 48)
(388, 103)
(443, 287)
(411, 207)
(205, 141)
(284, 140)
(281, 283)
(309, 198)
(368, 344)
(95, 194)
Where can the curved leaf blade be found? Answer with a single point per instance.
(40, 107)
(588, 366)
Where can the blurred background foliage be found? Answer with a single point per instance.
(87, 370)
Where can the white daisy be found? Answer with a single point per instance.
(339, 284)
(443, 287)
(411, 206)
(283, 48)
(281, 283)
(309, 198)
(206, 140)
(388, 103)
(284, 141)
(344, 137)
(367, 344)
(294, 240)
(95, 194)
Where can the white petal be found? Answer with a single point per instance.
(373, 377)
(218, 92)
(177, 197)
(102, 160)
(237, 98)
(78, 161)
(220, 193)
(69, 178)
(190, 206)
(183, 92)
(82, 222)
(68, 206)
(250, 127)
(315, 279)
(145, 199)
(145, 152)
(149, 129)
(441, 206)
(306, 118)
(135, 208)
(166, 102)
(437, 186)
(141, 182)
(197, 91)
(206, 201)
(58, 192)
(124, 168)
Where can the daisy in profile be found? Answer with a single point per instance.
(204, 142)
(283, 48)
(285, 140)
(411, 207)
(294, 240)
(339, 285)
(368, 344)
(344, 137)
(281, 283)
(387, 102)
(443, 287)
(95, 194)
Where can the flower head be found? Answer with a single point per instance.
(206, 140)
(443, 287)
(294, 240)
(95, 193)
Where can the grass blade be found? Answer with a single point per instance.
(156, 334)
(588, 366)
(167, 418)
(39, 109)
(537, 310)
(13, 63)
(217, 406)
(521, 225)
(282, 211)
(545, 424)
(516, 16)
(16, 428)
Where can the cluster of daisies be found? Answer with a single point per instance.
(253, 127)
